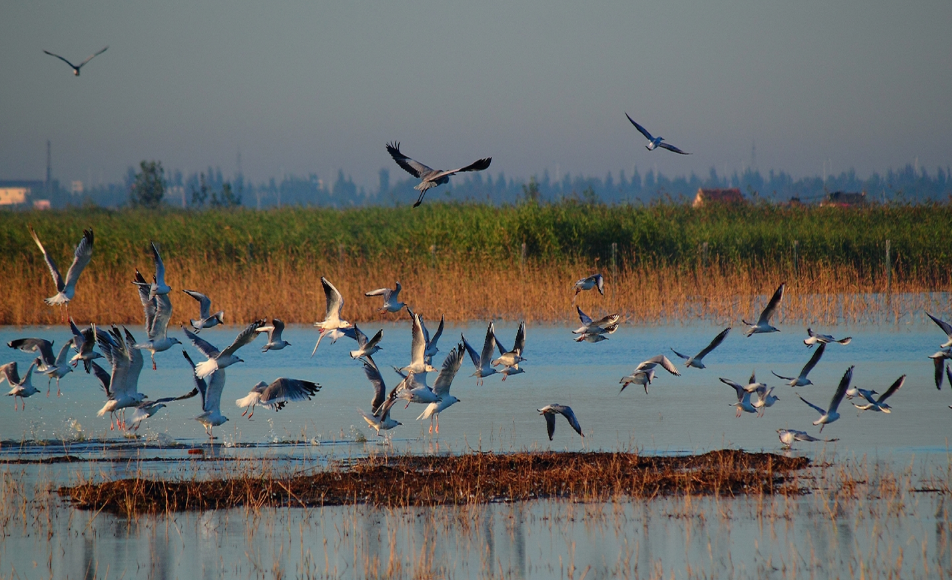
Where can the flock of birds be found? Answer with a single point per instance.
(124, 355)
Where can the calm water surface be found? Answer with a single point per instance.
(687, 414)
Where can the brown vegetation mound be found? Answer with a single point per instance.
(465, 479)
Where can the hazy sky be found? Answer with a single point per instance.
(312, 87)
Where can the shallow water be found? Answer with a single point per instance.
(687, 414)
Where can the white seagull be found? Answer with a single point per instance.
(414, 391)
(763, 323)
(225, 358)
(442, 387)
(659, 360)
(391, 302)
(66, 289)
(20, 387)
(696, 361)
(593, 281)
(482, 360)
(46, 363)
(83, 342)
(332, 324)
(743, 403)
(76, 67)
(431, 348)
(277, 394)
(654, 142)
(642, 378)
(802, 380)
(211, 397)
(366, 347)
(830, 415)
(549, 412)
(418, 364)
(814, 338)
(381, 419)
(205, 318)
(510, 359)
(59, 369)
(158, 285)
(148, 408)
(274, 330)
(597, 334)
(122, 383)
(789, 436)
(938, 360)
(158, 311)
(880, 403)
(590, 326)
(430, 177)
(764, 399)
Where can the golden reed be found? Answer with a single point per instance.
(471, 289)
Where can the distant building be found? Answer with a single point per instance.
(718, 196)
(76, 187)
(15, 192)
(845, 199)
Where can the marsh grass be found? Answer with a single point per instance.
(467, 261)
(457, 480)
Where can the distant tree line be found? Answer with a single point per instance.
(210, 189)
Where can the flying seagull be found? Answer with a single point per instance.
(593, 281)
(763, 323)
(830, 415)
(332, 325)
(391, 298)
(939, 359)
(442, 386)
(814, 338)
(380, 420)
(76, 67)
(276, 395)
(642, 378)
(789, 436)
(66, 289)
(743, 403)
(122, 383)
(696, 361)
(217, 359)
(549, 412)
(802, 380)
(430, 177)
(366, 347)
(158, 312)
(880, 403)
(946, 328)
(418, 364)
(148, 408)
(510, 359)
(482, 360)
(274, 330)
(590, 326)
(654, 142)
(764, 399)
(211, 396)
(205, 318)
(158, 285)
(21, 388)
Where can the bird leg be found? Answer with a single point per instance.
(437, 424)
(153, 361)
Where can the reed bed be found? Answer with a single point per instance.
(662, 263)
(459, 480)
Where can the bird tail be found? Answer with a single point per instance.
(203, 369)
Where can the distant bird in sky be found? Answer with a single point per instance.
(802, 380)
(332, 322)
(880, 403)
(430, 177)
(593, 281)
(66, 289)
(76, 67)
(814, 338)
(391, 298)
(274, 330)
(830, 415)
(221, 359)
(696, 361)
(763, 323)
(654, 142)
(205, 318)
(549, 412)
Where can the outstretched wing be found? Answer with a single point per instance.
(892, 389)
(204, 303)
(200, 384)
(549, 424)
(283, 390)
(54, 271)
(414, 168)
(473, 355)
(772, 305)
(335, 302)
(818, 410)
(945, 326)
(520, 346)
(81, 257)
(569, 414)
(475, 166)
(376, 379)
(714, 343)
(450, 367)
(208, 349)
(841, 389)
(585, 318)
(489, 343)
(245, 337)
(670, 147)
(71, 65)
(89, 58)
(641, 129)
(813, 360)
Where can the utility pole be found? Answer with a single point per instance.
(49, 170)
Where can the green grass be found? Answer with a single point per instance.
(661, 234)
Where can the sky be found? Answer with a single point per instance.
(303, 86)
